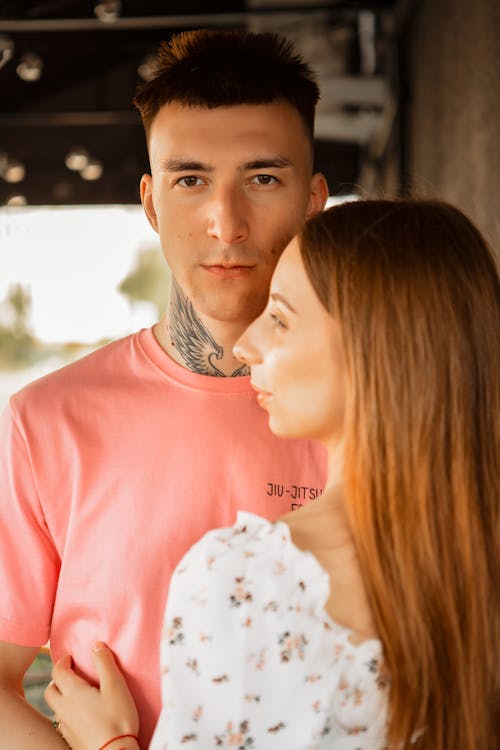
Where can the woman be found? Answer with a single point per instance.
(369, 618)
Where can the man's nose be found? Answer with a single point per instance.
(228, 219)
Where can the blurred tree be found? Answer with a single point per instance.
(18, 346)
(149, 280)
(19, 301)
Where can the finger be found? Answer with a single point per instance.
(64, 677)
(52, 696)
(110, 676)
(64, 662)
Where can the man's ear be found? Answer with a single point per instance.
(147, 200)
(319, 194)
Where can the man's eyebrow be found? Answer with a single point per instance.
(189, 165)
(276, 162)
(184, 165)
(276, 297)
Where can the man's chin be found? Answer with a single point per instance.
(237, 315)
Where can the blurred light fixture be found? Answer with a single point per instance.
(6, 49)
(15, 171)
(62, 191)
(11, 170)
(77, 159)
(93, 170)
(146, 68)
(16, 200)
(107, 11)
(30, 67)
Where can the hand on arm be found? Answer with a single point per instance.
(89, 717)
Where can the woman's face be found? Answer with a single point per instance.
(294, 350)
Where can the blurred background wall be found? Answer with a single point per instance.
(451, 56)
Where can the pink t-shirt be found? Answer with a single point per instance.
(110, 469)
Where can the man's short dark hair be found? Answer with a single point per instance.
(223, 68)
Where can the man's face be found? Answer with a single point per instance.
(229, 188)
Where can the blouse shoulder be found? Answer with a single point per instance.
(255, 544)
(247, 643)
(254, 565)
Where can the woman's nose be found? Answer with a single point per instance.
(246, 348)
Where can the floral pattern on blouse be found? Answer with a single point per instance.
(251, 660)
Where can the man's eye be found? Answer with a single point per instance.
(190, 181)
(264, 179)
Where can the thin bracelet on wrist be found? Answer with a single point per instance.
(120, 737)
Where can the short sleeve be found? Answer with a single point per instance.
(249, 657)
(29, 563)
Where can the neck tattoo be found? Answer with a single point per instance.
(193, 341)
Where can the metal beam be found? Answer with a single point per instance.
(71, 119)
(230, 20)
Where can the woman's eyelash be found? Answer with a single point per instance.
(279, 323)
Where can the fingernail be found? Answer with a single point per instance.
(99, 646)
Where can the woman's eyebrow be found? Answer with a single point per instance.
(276, 297)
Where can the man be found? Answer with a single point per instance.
(112, 467)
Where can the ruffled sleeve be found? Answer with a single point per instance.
(249, 657)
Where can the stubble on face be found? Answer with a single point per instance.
(232, 302)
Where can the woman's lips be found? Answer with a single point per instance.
(228, 272)
(263, 399)
(262, 396)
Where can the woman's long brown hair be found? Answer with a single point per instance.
(417, 294)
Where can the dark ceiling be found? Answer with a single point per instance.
(82, 98)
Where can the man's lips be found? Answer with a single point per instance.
(226, 271)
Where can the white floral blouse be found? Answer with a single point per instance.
(250, 659)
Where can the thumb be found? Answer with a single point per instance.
(65, 662)
(110, 677)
